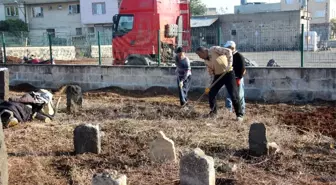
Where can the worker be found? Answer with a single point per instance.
(239, 70)
(219, 64)
(183, 72)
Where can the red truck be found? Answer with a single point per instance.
(142, 25)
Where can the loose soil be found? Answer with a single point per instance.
(41, 153)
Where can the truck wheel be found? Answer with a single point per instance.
(136, 60)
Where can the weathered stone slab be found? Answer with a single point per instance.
(4, 83)
(107, 179)
(162, 149)
(196, 168)
(87, 139)
(3, 159)
(74, 98)
(257, 140)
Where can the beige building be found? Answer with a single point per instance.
(321, 11)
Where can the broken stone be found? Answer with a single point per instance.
(74, 98)
(3, 159)
(257, 140)
(227, 168)
(273, 148)
(4, 83)
(162, 149)
(87, 139)
(196, 168)
(107, 179)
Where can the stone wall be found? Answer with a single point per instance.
(261, 84)
(106, 51)
(59, 52)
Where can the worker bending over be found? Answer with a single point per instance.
(219, 64)
(239, 70)
(183, 71)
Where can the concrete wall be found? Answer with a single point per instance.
(267, 31)
(106, 51)
(59, 52)
(255, 8)
(263, 84)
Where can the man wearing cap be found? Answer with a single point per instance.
(239, 70)
(219, 64)
(183, 71)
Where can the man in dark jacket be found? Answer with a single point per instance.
(239, 69)
(183, 72)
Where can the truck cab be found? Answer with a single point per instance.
(149, 30)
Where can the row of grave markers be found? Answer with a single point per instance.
(196, 168)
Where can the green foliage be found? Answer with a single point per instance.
(197, 7)
(13, 25)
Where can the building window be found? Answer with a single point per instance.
(98, 8)
(74, 9)
(37, 11)
(12, 11)
(79, 31)
(319, 14)
(91, 30)
(51, 32)
(289, 1)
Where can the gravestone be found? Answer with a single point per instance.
(74, 98)
(257, 140)
(196, 168)
(107, 179)
(4, 83)
(3, 159)
(87, 139)
(162, 149)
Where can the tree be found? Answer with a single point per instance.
(197, 7)
(333, 26)
(13, 25)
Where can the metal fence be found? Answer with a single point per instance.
(260, 45)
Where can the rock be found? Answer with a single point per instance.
(162, 149)
(227, 168)
(196, 168)
(4, 83)
(272, 148)
(107, 179)
(257, 140)
(3, 159)
(74, 98)
(87, 139)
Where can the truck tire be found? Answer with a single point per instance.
(136, 60)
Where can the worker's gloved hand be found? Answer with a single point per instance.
(238, 81)
(207, 90)
(181, 84)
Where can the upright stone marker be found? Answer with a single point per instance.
(87, 139)
(107, 179)
(3, 159)
(162, 149)
(196, 168)
(74, 98)
(4, 83)
(257, 140)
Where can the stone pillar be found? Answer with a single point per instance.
(3, 159)
(4, 83)
(87, 139)
(74, 98)
(196, 168)
(162, 149)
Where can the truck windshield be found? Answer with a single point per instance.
(125, 23)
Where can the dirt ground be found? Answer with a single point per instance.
(41, 153)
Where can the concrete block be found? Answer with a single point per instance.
(139, 71)
(4, 83)
(125, 71)
(253, 94)
(162, 149)
(94, 78)
(80, 77)
(3, 159)
(323, 85)
(87, 139)
(196, 168)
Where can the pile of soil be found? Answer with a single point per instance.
(322, 120)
